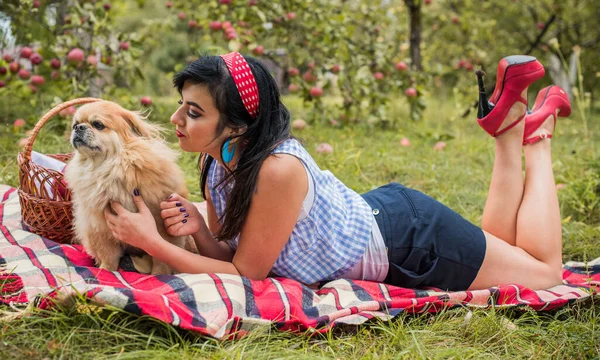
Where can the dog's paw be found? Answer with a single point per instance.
(160, 268)
(109, 267)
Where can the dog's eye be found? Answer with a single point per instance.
(98, 125)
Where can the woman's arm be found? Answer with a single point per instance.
(184, 261)
(209, 246)
(194, 224)
(205, 240)
(281, 187)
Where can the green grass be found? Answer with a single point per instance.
(364, 158)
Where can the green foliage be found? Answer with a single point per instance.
(105, 61)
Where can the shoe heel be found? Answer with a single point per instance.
(484, 107)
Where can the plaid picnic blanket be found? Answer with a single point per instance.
(34, 269)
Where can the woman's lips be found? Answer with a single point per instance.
(179, 135)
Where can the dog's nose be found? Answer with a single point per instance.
(79, 127)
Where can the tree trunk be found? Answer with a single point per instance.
(559, 74)
(414, 7)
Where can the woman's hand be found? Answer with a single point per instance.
(180, 216)
(136, 229)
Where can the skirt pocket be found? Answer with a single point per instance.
(414, 269)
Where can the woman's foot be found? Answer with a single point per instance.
(551, 102)
(508, 104)
(508, 128)
(546, 129)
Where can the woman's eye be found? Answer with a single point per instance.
(180, 102)
(192, 115)
(98, 125)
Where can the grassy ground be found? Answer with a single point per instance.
(363, 158)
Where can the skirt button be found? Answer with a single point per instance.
(375, 211)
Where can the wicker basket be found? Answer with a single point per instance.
(46, 213)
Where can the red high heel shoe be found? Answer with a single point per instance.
(515, 74)
(547, 101)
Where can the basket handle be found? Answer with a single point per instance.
(58, 108)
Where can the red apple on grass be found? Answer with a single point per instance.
(18, 124)
(298, 124)
(124, 45)
(324, 148)
(378, 76)
(3, 70)
(146, 100)
(259, 50)
(215, 25)
(335, 69)
(2, 84)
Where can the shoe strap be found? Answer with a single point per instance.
(520, 99)
(540, 137)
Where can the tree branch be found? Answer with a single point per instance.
(538, 39)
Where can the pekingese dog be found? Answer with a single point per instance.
(116, 151)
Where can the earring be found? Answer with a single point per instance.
(225, 153)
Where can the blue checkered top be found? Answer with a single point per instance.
(330, 240)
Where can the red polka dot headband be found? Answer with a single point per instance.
(244, 81)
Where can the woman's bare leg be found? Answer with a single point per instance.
(539, 229)
(506, 186)
(536, 259)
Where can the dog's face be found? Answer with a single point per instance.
(103, 128)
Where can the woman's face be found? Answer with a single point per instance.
(197, 119)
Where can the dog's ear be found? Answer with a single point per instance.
(139, 126)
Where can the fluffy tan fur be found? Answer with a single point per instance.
(111, 160)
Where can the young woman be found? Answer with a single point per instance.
(273, 212)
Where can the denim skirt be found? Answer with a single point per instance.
(428, 244)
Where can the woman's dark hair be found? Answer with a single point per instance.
(263, 134)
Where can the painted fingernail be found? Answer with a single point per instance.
(184, 221)
(181, 209)
(178, 204)
(169, 197)
(136, 192)
(186, 215)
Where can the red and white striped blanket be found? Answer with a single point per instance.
(34, 269)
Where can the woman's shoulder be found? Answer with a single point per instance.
(280, 167)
